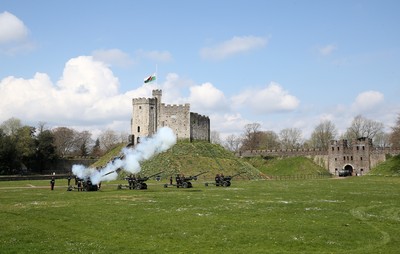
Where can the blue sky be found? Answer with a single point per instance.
(283, 64)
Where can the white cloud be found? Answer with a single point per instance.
(113, 57)
(270, 99)
(233, 46)
(86, 94)
(327, 49)
(366, 101)
(207, 98)
(157, 56)
(13, 35)
(11, 28)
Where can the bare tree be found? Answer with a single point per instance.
(82, 143)
(269, 140)
(108, 139)
(41, 127)
(251, 139)
(215, 137)
(395, 134)
(382, 139)
(290, 138)
(64, 140)
(323, 134)
(232, 143)
(363, 127)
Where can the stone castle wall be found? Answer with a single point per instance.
(199, 127)
(150, 114)
(177, 117)
(359, 156)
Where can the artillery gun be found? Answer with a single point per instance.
(184, 182)
(137, 183)
(221, 180)
(84, 185)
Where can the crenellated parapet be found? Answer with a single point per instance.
(150, 114)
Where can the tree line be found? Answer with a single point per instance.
(253, 138)
(24, 147)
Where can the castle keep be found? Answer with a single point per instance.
(149, 114)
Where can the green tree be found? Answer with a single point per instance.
(46, 151)
(26, 144)
(9, 162)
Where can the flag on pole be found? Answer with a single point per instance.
(150, 78)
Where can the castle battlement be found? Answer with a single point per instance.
(150, 114)
(143, 100)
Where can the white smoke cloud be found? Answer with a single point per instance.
(131, 157)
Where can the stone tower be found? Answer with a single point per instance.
(149, 114)
(354, 156)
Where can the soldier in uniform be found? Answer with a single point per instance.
(130, 182)
(178, 180)
(52, 183)
(217, 180)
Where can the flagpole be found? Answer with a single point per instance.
(156, 75)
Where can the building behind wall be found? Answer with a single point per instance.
(150, 114)
(358, 157)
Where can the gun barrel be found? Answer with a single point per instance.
(116, 171)
(155, 174)
(200, 174)
(237, 174)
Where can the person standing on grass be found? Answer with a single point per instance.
(52, 183)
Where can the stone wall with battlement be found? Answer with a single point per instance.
(177, 117)
(359, 155)
(199, 127)
(150, 114)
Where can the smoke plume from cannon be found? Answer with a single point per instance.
(130, 159)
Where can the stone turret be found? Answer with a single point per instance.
(149, 114)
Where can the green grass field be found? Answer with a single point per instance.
(347, 215)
